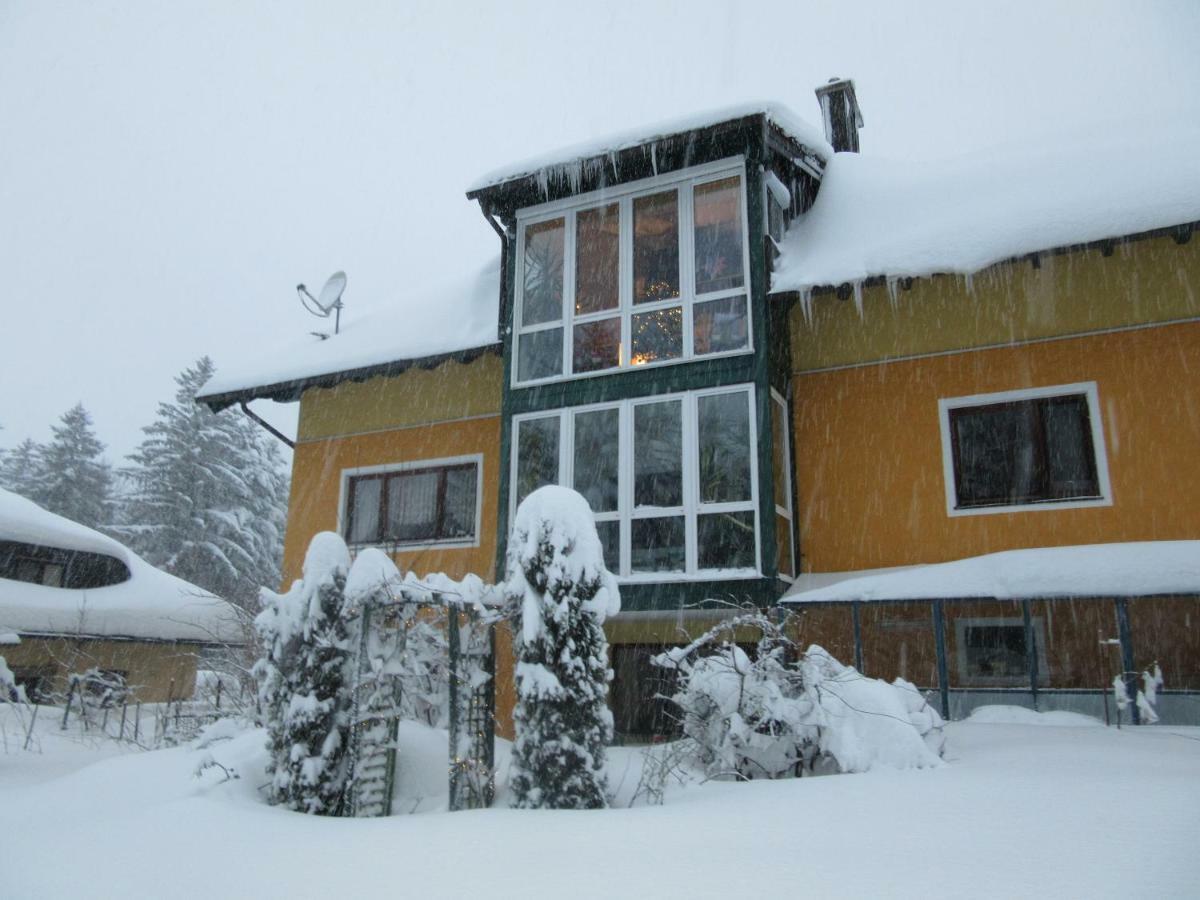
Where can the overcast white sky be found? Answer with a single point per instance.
(170, 171)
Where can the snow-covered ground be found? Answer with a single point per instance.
(1029, 805)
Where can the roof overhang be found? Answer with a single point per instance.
(290, 390)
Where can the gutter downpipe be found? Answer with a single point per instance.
(267, 425)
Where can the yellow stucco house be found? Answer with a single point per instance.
(773, 365)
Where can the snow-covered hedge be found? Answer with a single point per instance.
(782, 713)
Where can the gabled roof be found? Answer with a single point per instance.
(150, 605)
(877, 218)
(457, 319)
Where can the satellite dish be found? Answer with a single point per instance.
(329, 300)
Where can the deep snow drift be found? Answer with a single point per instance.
(1025, 808)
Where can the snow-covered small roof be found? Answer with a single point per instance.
(442, 319)
(151, 604)
(1091, 570)
(876, 217)
(778, 115)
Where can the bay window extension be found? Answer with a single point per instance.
(672, 479)
(648, 273)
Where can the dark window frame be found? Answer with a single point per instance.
(439, 536)
(1044, 491)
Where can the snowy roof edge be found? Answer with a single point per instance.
(780, 116)
(289, 390)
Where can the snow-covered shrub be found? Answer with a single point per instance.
(9, 689)
(1146, 698)
(779, 712)
(304, 684)
(559, 593)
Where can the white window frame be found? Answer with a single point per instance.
(962, 623)
(685, 182)
(780, 409)
(691, 509)
(408, 466)
(1086, 388)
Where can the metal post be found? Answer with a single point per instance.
(137, 720)
(32, 722)
(1125, 634)
(858, 647)
(939, 635)
(1031, 651)
(454, 651)
(67, 707)
(218, 693)
(124, 710)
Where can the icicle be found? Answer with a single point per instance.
(543, 181)
(654, 157)
(806, 304)
(858, 299)
(612, 161)
(893, 290)
(969, 283)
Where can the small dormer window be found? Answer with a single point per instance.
(651, 273)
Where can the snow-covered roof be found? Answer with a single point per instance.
(442, 319)
(876, 217)
(780, 116)
(151, 604)
(1091, 570)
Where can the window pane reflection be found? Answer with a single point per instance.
(725, 540)
(658, 545)
(597, 252)
(412, 506)
(656, 247)
(597, 345)
(543, 280)
(658, 454)
(539, 354)
(718, 223)
(724, 448)
(537, 455)
(458, 509)
(656, 335)
(596, 457)
(719, 326)
(610, 540)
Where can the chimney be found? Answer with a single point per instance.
(840, 112)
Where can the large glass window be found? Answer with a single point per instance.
(781, 464)
(413, 505)
(670, 479)
(655, 275)
(1023, 448)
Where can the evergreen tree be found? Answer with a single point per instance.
(305, 682)
(208, 496)
(19, 468)
(560, 592)
(71, 478)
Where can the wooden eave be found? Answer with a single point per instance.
(290, 390)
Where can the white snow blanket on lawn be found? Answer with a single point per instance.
(151, 604)
(1090, 570)
(882, 217)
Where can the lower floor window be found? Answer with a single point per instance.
(413, 504)
(671, 479)
(995, 651)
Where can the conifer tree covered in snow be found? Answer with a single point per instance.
(559, 593)
(208, 496)
(305, 682)
(19, 468)
(70, 476)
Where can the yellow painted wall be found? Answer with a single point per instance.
(1152, 280)
(416, 397)
(869, 455)
(453, 410)
(157, 672)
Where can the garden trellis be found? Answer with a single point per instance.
(466, 615)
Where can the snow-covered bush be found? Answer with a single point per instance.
(304, 685)
(559, 594)
(778, 712)
(1146, 698)
(9, 689)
